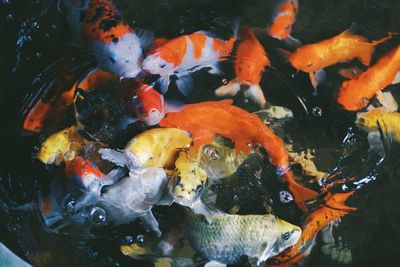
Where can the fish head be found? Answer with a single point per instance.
(121, 56)
(149, 105)
(142, 245)
(352, 98)
(155, 64)
(305, 58)
(147, 149)
(56, 148)
(290, 235)
(281, 27)
(369, 120)
(187, 182)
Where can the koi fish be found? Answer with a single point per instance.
(85, 173)
(250, 61)
(283, 18)
(149, 105)
(184, 55)
(61, 146)
(58, 98)
(333, 209)
(355, 94)
(228, 237)
(156, 147)
(313, 58)
(117, 47)
(204, 120)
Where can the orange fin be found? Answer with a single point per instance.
(390, 35)
(300, 193)
(337, 201)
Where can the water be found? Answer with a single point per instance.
(35, 34)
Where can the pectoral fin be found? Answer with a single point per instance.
(317, 77)
(185, 84)
(255, 94)
(114, 156)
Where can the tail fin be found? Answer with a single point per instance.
(337, 201)
(367, 50)
(300, 193)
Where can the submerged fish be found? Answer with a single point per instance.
(205, 120)
(250, 61)
(184, 55)
(156, 147)
(333, 209)
(283, 18)
(115, 44)
(61, 146)
(193, 167)
(312, 58)
(149, 105)
(229, 237)
(355, 94)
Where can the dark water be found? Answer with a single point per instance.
(34, 34)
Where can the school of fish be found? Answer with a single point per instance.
(180, 148)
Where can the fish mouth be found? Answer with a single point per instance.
(154, 117)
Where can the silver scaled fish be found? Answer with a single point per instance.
(228, 237)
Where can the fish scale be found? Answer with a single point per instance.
(228, 237)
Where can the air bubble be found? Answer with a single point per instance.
(97, 216)
(317, 111)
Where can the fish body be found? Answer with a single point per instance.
(149, 105)
(156, 147)
(61, 146)
(250, 62)
(355, 94)
(283, 19)
(186, 54)
(193, 167)
(229, 237)
(204, 120)
(333, 209)
(313, 58)
(103, 30)
(85, 174)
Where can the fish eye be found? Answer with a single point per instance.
(286, 236)
(112, 60)
(163, 66)
(309, 64)
(139, 240)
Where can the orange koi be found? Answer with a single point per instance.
(312, 58)
(184, 55)
(58, 98)
(204, 120)
(333, 208)
(355, 94)
(102, 28)
(251, 60)
(83, 171)
(283, 19)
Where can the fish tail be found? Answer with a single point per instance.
(337, 202)
(366, 51)
(390, 35)
(300, 193)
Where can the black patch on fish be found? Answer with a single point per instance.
(99, 13)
